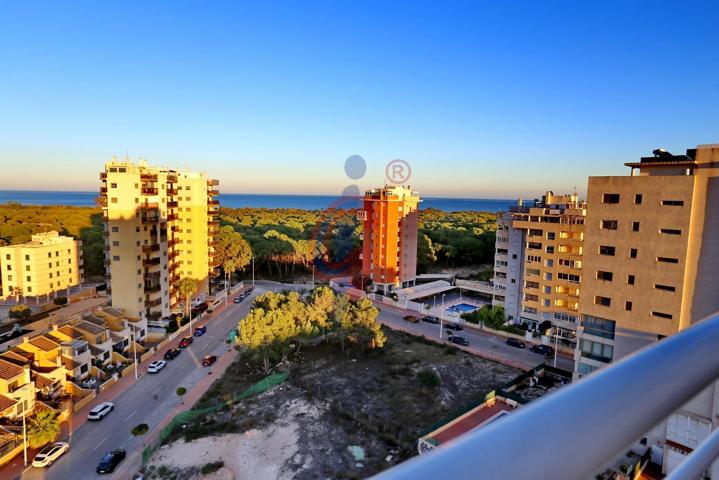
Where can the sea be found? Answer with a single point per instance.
(239, 200)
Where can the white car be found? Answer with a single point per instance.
(49, 454)
(99, 411)
(156, 366)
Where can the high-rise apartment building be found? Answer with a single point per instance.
(538, 261)
(650, 268)
(159, 228)
(49, 263)
(389, 251)
(509, 267)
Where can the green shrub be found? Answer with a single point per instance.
(172, 326)
(20, 312)
(140, 429)
(429, 378)
(211, 467)
(60, 301)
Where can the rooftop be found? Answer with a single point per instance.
(44, 343)
(9, 370)
(6, 402)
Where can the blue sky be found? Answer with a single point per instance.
(493, 99)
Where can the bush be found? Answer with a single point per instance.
(172, 326)
(60, 301)
(181, 391)
(20, 312)
(429, 378)
(184, 321)
(211, 467)
(140, 429)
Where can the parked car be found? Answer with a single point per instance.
(545, 350)
(100, 411)
(430, 319)
(411, 318)
(49, 454)
(456, 326)
(200, 331)
(156, 366)
(513, 342)
(172, 353)
(458, 340)
(186, 341)
(110, 461)
(209, 360)
(238, 299)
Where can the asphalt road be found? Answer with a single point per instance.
(137, 404)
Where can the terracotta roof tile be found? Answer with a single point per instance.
(14, 357)
(6, 403)
(44, 343)
(41, 381)
(9, 370)
(69, 363)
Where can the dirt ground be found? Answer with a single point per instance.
(341, 414)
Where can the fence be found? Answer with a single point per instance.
(187, 416)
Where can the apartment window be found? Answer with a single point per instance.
(69, 270)
(137, 229)
(29, 278)
(514, 256)
(547, 303)
(603, 301)
(630, 279)
(670, 231)
(632, 253)
(49, 265)
(610, 198)
(606, 250)
(585, 369)
(9, 267)
(549, 262)
(662, 315)
(115, 243)
(534, 258)
(635, 226)
(27, 257)
(569, 277)
(116, 258)
(606, 276)
(667, 288)
(115, 229)
(49, 255)
(69, 261)
(113, 200)
(27, 268)
(597, 351)
(667, 260)
(609, 224)
(547, 289)
(550, 235)
(29, 289)
(673, 203)
(534, 245)
(550, 249)
(638, 199)
(628, 306)
(548, 276)
(7, 257)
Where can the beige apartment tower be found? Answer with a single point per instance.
(48, 264)
(159, 227)
(651, 268)
(551, 261)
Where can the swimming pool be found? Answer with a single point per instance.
(461, 308)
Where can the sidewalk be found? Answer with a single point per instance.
(15, 467)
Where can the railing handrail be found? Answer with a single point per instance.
(578, 430)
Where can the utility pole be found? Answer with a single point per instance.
(134, 348)
(24, 437)
(441, 318)
(253, 272)
(556, 345)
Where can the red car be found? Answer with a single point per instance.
(186, 341)
(209, 360)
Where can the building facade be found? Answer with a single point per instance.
(159, 226)
(538, 261)
(389, 243)
(49, 263)
(650, 269)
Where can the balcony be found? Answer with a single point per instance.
(213, 192)
(153, 303)
(173, 254)
(151, 248)
(149, 206)
(213, 203)
(103, 175)
(172, 191)
(149, 191)
(172, 217)
(152, 288)
(148, 262)
(213, 223)
(593, 421)
(172, 204)
(213, 182)
(103, 190)
(172, 242)
(150, 219)
(148, 177)
(172, 177)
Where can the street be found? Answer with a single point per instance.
(148, 400)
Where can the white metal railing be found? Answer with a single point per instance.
(575, 432)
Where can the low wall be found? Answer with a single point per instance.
(80, 404)
(112, 381)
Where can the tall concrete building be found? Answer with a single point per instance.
(509, 267)
(389, 251)
(159, 227)
(538, 260)
(650, 268)
(49, 263)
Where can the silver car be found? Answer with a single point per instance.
(49, 454)
(100, 411)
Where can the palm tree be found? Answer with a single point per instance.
(43, 428)
(186, 289)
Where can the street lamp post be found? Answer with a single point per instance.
(24, 437)
(253, 271)
(556, 345)
(441, 317)
(313, 276)
(134, 348)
